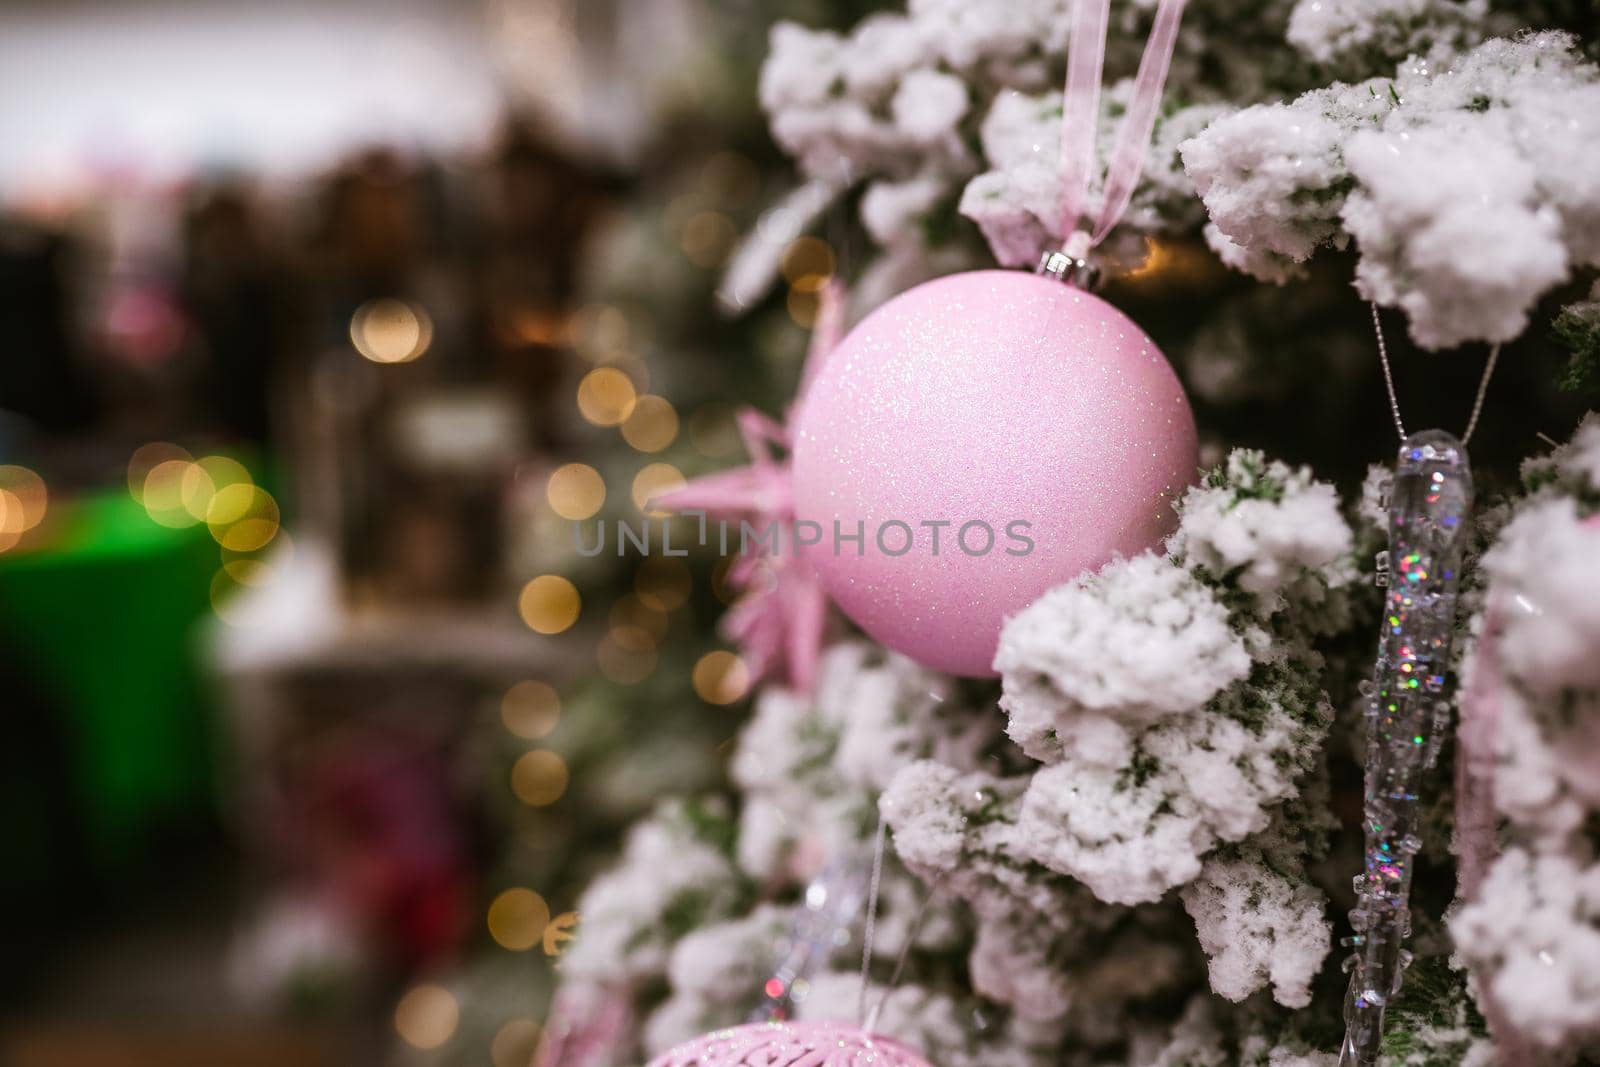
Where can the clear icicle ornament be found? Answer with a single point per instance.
(822, 923)
(1407, 712)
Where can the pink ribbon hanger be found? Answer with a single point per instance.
(1080, 119)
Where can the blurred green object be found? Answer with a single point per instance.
(100, 616)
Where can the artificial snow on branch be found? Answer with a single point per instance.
(1531, 931)
(1470, 184)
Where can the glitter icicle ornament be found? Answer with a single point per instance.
(784, 1044)
(820, 925)
(1408, 711)
(987, 436)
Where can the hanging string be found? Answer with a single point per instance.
(1080, 119)
(869, 937)
(870, 933)
(900, 963)
(1394, 403)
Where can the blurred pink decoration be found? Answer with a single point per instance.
(814, 1044)
(779, 618)
(586, 1028)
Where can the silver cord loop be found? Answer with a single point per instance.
(1394, 402)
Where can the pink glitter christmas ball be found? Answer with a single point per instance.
(990, 435)
(790, 1044)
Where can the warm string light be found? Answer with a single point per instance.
(606, 396)
(517, 919)
(390, 331)
(539, 778)
(807, 264)
(179, 491)
(515, 1043)
(531, 709)
(24, 500)
(549, 604)
(652, 426)
(427, 1016)
(721, 677)
(575, 491)
(652, 480)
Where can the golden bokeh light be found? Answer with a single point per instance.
(530, 709)
(606, 396)
(714, 431)
(202, 479)
(708, 237)
(653, 480)
(575, 491)
(10, 519)
(224, 471)
(163, 493)
(653, 424)
(390, 331)
(636, 370)
(427, 1016)
(539, 778)
(662, 583)
(721, 678)
(147, 458)
(517, 919)
(549, 604)
(514, 1044)
(242, 517)
(196, 490)
(808, 261)
(626, 655)
(24, 499)
(205, 477)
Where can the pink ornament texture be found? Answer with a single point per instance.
(790, 1044)
(989, 435)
